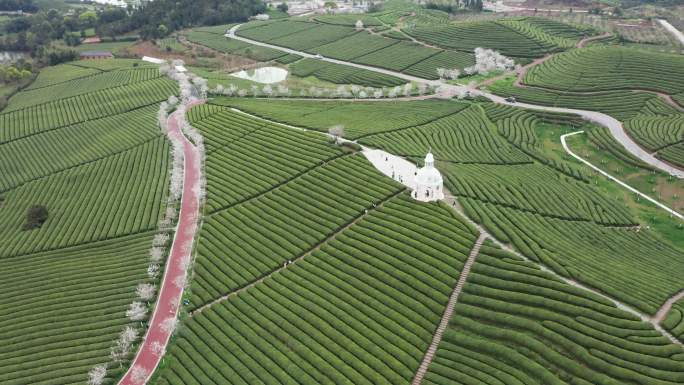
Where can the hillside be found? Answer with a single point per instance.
(404, 196)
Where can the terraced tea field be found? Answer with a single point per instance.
(83, 142)
(512, 317)
(303, 253)
(640, 88)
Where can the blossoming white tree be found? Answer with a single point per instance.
(180, 281)
(153, 271)
(169, 325)
(157, 348)
(337, 132)
(97, 374)
(139, 374)
(136, 311)
(408, 87)
(145, 291)
(487, 60)
(160, 239)
(122, 346)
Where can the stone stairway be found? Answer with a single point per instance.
(446, 317)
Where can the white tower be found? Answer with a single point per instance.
(428, 182)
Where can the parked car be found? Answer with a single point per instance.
(510, 99)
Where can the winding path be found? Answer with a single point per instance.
(168, 301)
(614, 125)
(662, 312)
(616, 180)
(674, 31)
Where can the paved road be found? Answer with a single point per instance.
(170, 294)
(621, 183)
(662, 312)
(674, 31)
(614, 125)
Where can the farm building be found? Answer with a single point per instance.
(428, 182)
(91, 40)
(93, 55)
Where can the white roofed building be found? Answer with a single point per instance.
(428, 182)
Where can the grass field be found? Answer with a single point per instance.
(83, 142)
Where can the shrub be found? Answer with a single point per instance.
(35, 217)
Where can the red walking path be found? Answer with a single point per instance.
(170, 294)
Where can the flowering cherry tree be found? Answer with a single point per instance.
(97, 374)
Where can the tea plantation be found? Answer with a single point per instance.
(304, 250)
(83, 142)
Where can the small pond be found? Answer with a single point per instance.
(265, 75)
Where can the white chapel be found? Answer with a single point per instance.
(428, 182)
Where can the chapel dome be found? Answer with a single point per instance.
(429, 175)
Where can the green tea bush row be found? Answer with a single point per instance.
(352, 312)
(247, 241)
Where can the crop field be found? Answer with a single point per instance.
(270, 31)
(536, 189)
(516, 324)
(111, 64)
(288, 59)
(427, 68)
(215, 29)
(86, 203)
(317, 115)
(675, 320)
(89, 150)
(83, 85)
(309, 38)
(345, 43)
(74, 145)
(491, 34)
(398, 56)
(341, 74)
(361, 308)
(251, 157)
(349, 20)
(656, 133)
(76, 109)
(519, 127)
(534, 200)
(62, 309)
(223, 44)
(305, 263)
(673, 154)
(610, 68)
(59, 74)
(354, 46)
(618, 104)
(635, 267)
(246, 241)
(465, 137)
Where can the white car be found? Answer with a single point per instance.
(318, 56)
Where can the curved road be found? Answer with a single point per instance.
(621, 183)
(168, 300)
(614, 125)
